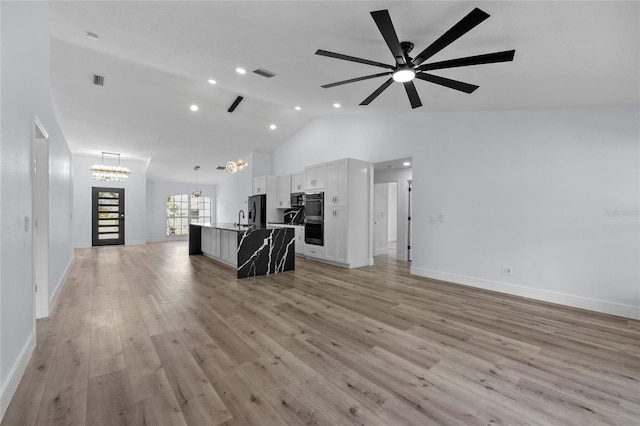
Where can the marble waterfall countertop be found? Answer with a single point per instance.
(259, 251)
(233, 226)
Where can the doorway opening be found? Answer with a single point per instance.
(107, 224)
(40, 215)
(391, 231)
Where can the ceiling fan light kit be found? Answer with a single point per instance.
(407, 68)
(402, 75)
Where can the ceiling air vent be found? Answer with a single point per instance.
(98, 80)
(264, 73)
(220, 168)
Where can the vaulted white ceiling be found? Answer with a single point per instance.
(156, 58)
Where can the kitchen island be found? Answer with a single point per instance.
(252, 251)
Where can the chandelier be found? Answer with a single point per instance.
(196, 193)
(106, 173)
(235, 166)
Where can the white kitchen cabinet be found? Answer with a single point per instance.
(314, 177)
(312, 250)
(268, 186)
(259, 185)
(300, 244)
(345, 184)
(229, 246)
(211, 242)
(297, 182)
(283, 192)
(336, 233)
(337, 183)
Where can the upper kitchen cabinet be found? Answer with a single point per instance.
(337, 183)
(283, 192)
(314, 177)
(264, 184)
(297, 182)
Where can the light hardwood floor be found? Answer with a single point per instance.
(146, 335)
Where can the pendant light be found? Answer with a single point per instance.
(196, 193)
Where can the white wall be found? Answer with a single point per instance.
(552, 194)
(157, 193)
(135, 198)
(233, 191)
(26, 94)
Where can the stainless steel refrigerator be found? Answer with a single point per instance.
(257, 211)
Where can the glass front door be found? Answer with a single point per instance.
(108, 216)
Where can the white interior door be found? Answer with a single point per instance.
(410, 226)
(380, 218)
(40, 216)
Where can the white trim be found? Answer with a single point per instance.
(17, 371)
(56, 292)
(603, 306)
(167, 239)
(135, 242)
(81, 245)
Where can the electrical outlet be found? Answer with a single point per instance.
(507, 270)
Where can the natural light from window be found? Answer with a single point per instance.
(183, 209)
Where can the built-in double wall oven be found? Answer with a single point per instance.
(314, 218)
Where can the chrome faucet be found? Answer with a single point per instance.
(239, 213)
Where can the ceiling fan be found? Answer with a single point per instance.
(407, 68)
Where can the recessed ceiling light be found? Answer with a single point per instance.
(193, 107)
(241, 71)
(273, 127)
(336, 105)
(297, 108)
(92, 36)
(212, 81)
(406, 163)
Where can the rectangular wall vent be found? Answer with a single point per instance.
(98, 80)
(235, 104)
(264, 73)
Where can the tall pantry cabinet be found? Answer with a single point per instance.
(346, 212)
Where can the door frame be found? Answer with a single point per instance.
(95, 242)
(40, 219)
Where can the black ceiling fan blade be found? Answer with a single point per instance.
(383, 21)
(412, 93)
(475, 17)
(377, 92)
(352, 59)
(353, 80)
(447, 82)
(488, 58)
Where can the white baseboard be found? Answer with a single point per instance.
(53, 298)
(135, 242)
(167, 240)
(81, 245)
(12, 381)
(603, 306)
(380, 251)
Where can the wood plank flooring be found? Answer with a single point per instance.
(147, 335)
